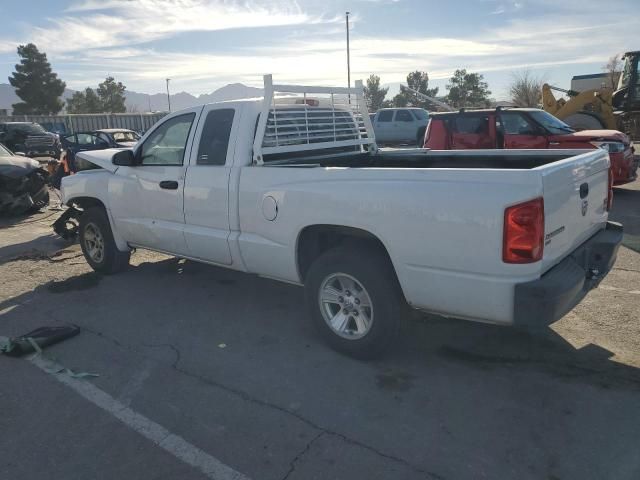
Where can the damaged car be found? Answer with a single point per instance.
(23, 184)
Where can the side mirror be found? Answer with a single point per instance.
(124, 158)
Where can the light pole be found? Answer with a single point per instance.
(168, 96)
(348, 54)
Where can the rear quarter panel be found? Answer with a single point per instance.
(441, 227)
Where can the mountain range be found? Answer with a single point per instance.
(144, 102)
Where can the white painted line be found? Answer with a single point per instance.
(174, 444)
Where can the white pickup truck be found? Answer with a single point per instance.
(294, 188)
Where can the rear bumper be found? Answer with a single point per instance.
(544, 301)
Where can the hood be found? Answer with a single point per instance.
(101, 158)
(16, 167)
(594, 135)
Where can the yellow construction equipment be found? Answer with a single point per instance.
(601, 108)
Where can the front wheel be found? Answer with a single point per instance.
(354, 300)
(97, 243)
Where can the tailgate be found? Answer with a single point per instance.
(575, 199)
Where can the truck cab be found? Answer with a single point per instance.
(526, 128)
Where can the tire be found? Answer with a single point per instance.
(365, 332)
(583, 121)
(97, 243)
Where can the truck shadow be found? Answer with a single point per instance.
(626, 210)
(489, 394)
(260, 307)
(491, 348)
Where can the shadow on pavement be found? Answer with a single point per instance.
(626, 210)
(503, 400)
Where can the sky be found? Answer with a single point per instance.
(205, 44)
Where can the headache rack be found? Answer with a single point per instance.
(318, 120)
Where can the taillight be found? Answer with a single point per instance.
(610, 191)
(523, 240)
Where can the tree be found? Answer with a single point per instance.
(613, 68)
(526, 89)
(418, 81)
(111, 96)
(374, 94)
(85, 102)
(468, 90)
(36, 84)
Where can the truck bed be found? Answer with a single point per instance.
(420, 158)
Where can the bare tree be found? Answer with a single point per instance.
(613, 68)
(526, 89)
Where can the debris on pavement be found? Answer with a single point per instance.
(67, 224)
(36, 340)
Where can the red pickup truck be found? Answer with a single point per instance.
(526, 128)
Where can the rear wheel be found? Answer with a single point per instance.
(98, 245)
(354, 300)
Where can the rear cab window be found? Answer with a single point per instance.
(214, 141)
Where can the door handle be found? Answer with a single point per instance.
(169, 184)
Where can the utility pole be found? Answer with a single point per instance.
(168, 96)
(348, 56)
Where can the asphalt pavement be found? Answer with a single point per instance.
(209, 373)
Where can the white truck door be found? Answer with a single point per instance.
(149, 206)
(383, 126)
(406, 127)
(206, 191)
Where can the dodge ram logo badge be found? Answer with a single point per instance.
(585, 206)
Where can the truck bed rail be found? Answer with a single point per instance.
(307, 118)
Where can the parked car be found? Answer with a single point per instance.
(514, 237)
(527, 128)
(29, 138)
(118, 137)
(23, 183)
(400, 125)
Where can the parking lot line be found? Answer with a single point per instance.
(170, 442)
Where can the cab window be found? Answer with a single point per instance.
(403, 116)
(385, 116)
(215, 137)
(167, 143)
(476, 124)
(517, 124)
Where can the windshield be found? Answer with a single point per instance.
(29, 128)
(126, 136)
(551, 123)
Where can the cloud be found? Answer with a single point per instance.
(93, 38)
(94, 24)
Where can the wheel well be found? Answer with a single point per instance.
(85, 202)
(314, 240)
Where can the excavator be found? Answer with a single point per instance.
(602, 108)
